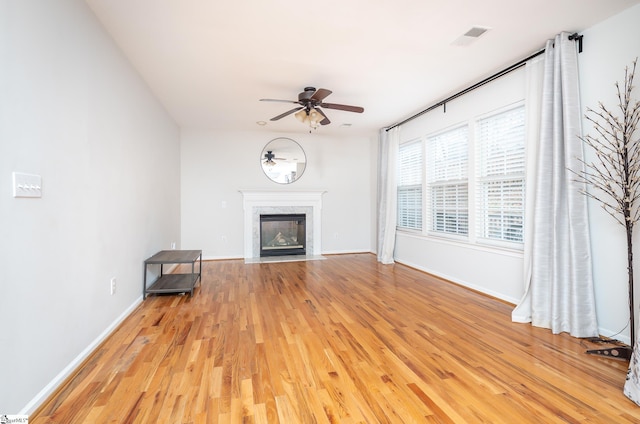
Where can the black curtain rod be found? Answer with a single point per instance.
(495, 76)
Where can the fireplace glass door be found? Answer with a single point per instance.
(282, 235)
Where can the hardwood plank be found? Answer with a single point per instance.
(344, 340)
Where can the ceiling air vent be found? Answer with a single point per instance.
(468, 37)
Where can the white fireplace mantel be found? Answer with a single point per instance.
(256, 202)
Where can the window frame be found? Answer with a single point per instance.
(420, 147)
(478, 179)
(472, 238)
(445, 183)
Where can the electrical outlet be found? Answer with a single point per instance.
(113, 286)
(173, 245)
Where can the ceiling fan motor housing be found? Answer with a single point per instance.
(306, 94)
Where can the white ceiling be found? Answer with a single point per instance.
(210, 61)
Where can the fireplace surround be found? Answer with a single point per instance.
(271, 202)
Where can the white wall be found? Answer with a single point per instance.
(216, 164)
(73, 111)
(609, 47)
(497, 272)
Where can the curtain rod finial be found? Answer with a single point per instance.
(578, 37)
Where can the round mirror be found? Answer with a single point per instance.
(283, 160)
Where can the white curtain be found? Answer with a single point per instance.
(632, 384)
(558, 274)
(534, 71)
(387, 198)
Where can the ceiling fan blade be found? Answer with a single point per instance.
(325, 121)
(347, 108)
(320, 94)
(282, 115)
(278, 100)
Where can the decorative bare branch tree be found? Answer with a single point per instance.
(615, 174)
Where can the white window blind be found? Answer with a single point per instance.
(447, 184)
(500, 172)
(410, 186)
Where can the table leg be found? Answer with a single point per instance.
(144, 283)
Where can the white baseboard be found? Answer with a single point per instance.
(76, 362)
(221, 258)
(344, 252)
(491, 293)
(616, 335)
(330, 252)
(624, 338)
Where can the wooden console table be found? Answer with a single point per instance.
(173, 283)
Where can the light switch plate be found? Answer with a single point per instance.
(27, 185)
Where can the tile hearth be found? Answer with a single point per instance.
(288, 258)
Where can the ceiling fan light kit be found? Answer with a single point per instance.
(310, 117)
(309, 112)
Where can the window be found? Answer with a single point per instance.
(447, 184)
(474, 177)
(410, 186)
(500, 176)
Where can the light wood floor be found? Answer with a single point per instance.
(344, 340)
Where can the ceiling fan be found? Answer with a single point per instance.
(310, 101)
(269, 158)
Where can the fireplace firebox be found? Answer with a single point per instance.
(282, 234)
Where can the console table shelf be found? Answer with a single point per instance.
(173, 283)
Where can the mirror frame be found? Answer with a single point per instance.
(287, 167)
